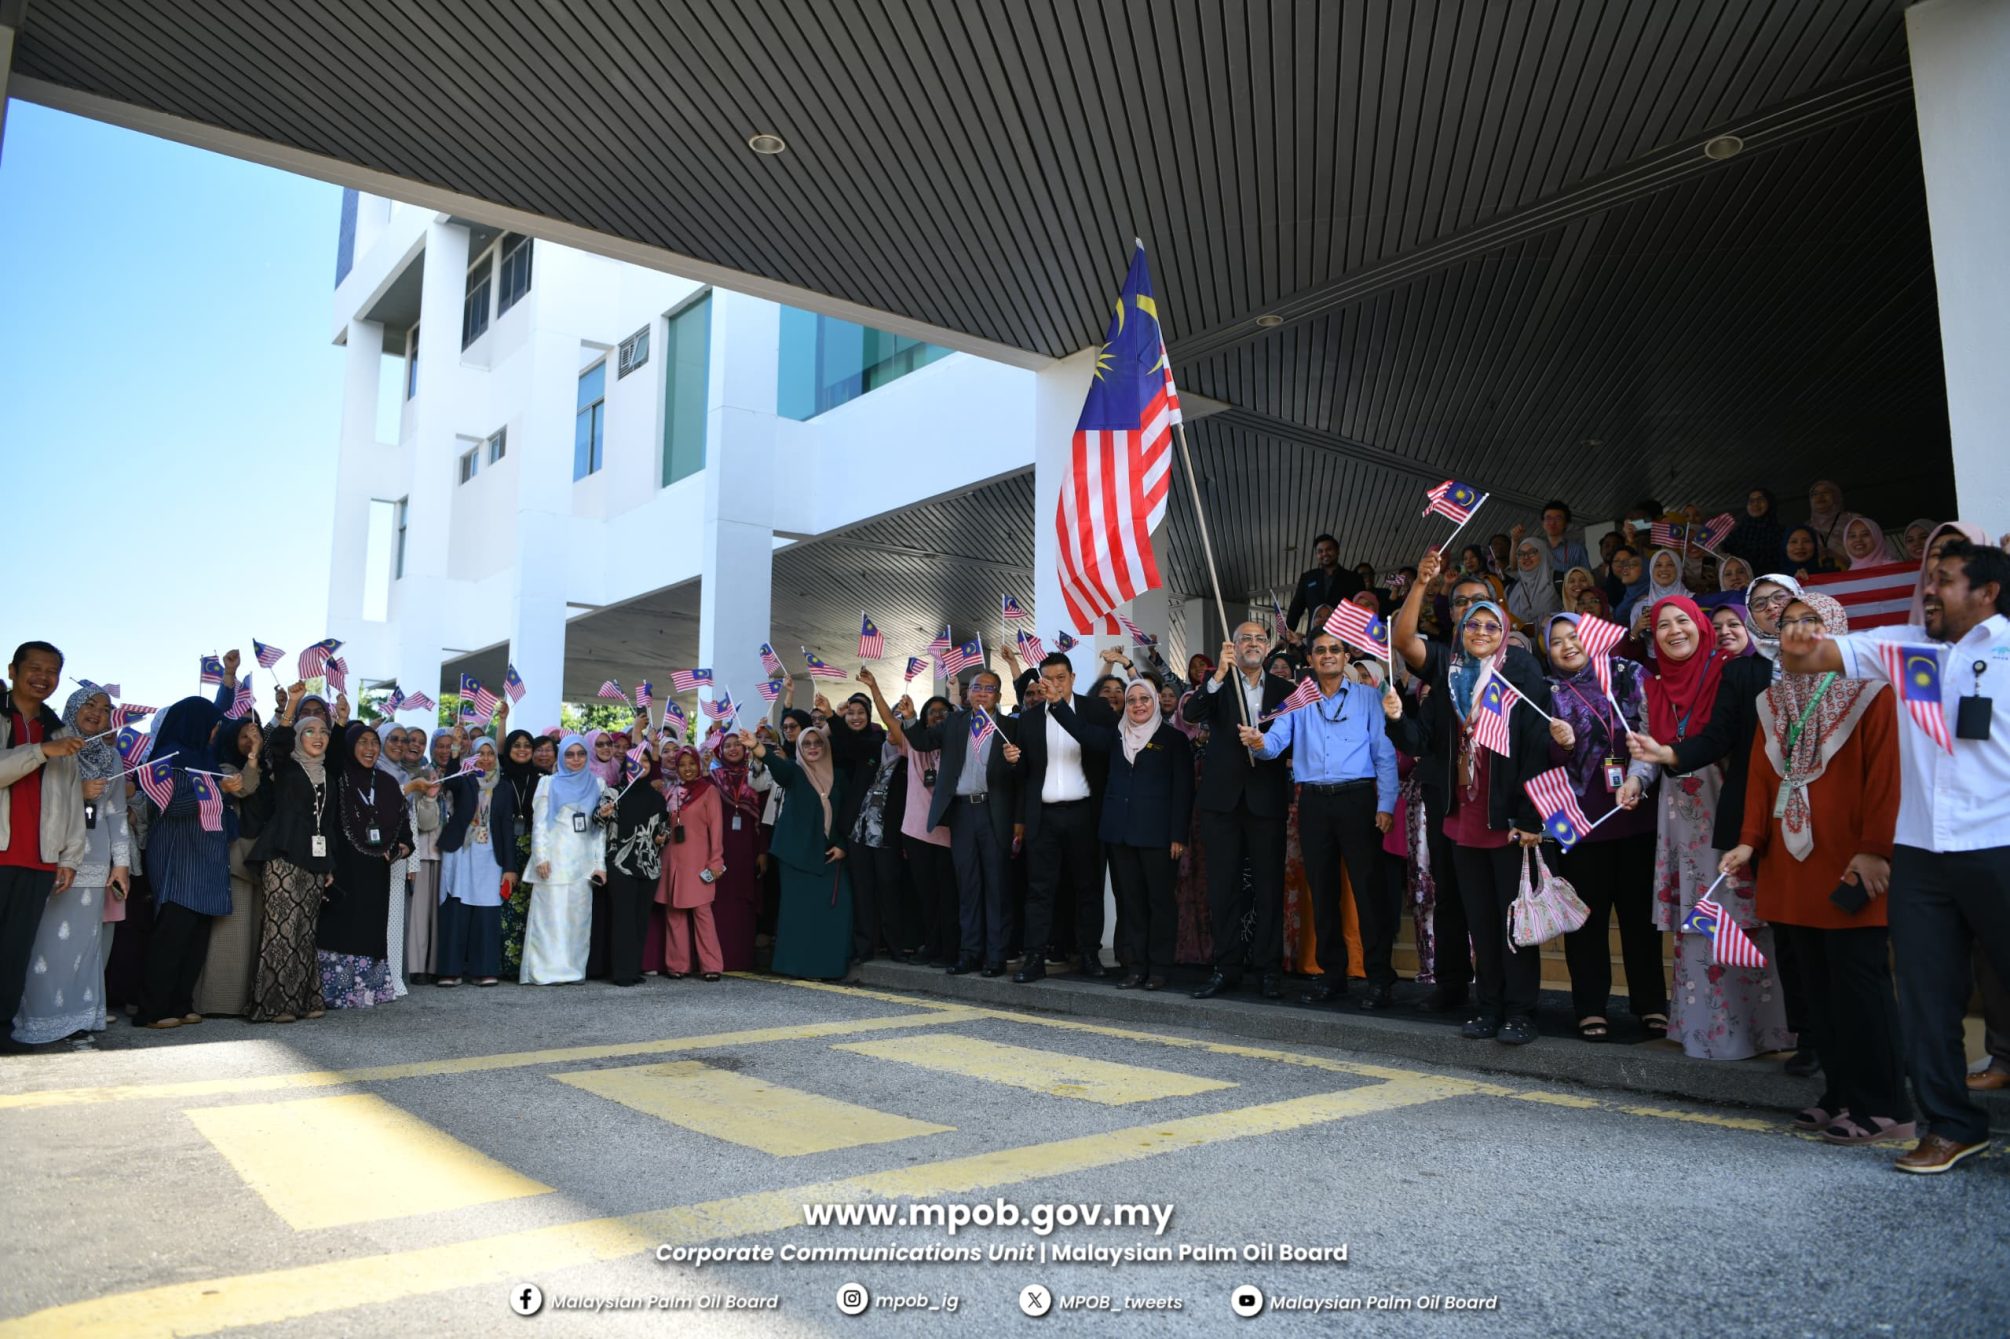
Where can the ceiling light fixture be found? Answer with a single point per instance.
(1592, 441)
(1722, 147)
(1270, 320)
(773, 144)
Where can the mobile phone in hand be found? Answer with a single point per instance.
(1851, 897)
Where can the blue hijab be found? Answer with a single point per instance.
(581, 789)
(1468, 671)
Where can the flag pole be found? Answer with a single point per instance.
(1214, 577)
(1462, 524)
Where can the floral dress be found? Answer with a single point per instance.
(1716, 1012)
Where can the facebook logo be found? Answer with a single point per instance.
(526, 1299)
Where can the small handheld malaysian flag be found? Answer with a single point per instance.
(1454, 501)
(1031, 649)
(915, 666)
(719, 708)
(771, 689)
(613, 692)
(871, 645)
(1304, 695)
(268, 656)
(1599, 637)
(395, 702)
(1139, 637)
(645, 694)
(1562, 816)
(690, 680)
(941, 642)
(1357, 627)
(315, 658)
(157, 780)
(1730, 946)
(1009, 608)
(959, 658)
(1277, 623)
(1915, 672)
(420, 702)
(1716, 530)
(336, 671)
(819, 669)
(1490, 715)
(133, 746)
(770, 662)
(674, 718)
(483, 700)
(127, 713)
(1063, 642)
(240, 705)
(513, 684)
(208, 801)
(982, 727)
(1667, 535)
(212, 670)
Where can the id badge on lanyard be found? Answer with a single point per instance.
(736, 822)
(1615, 776)
(579, 822)
(317, 846)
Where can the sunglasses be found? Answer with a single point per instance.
(1484, 629)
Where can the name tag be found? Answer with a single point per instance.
(579, 822)
(736, 822)
(317, 846)
(1615, 776)
(376, 837)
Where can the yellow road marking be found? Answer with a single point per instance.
(206, 1306)
(475, 1064)
(1705, 1118)
(786, 1122)
(327, 1161)
(1052, 1072)
(1571, 1100)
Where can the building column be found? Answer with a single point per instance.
(737, 580)
(544, 521)
(1960, 50)
(421, 599)
(362, 354)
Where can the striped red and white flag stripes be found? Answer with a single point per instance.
(1918, 688)
(1112, 496)
(1304, 695)
(1599, 637)
(1873, 597)
(1730, 946)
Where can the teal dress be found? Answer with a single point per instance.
(813, 932)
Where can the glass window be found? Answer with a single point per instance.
(589, 427)
(634, 353)
(515, 280)
(498, 445)
(404, 514)
(475, 306)
(412, 363)
(471, 463)
(825, 362)
(687, 358)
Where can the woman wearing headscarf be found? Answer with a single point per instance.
(1532, 598)
(568, 854)
(225, 984)
(1664, 578)
(605, 760)
(1914, 539)
(391, 762)
(353, 937)
(1489, 814)
(1864, 544)
(1757, 535)
(1733, 625)
(736, 906)
(693, 862)
(1804, 555)
(1575, 582)
(1147, 809)
(430, 762)
(1702, 705)
(1628, 586)
(1827, 519)
(865, 765)
(637, 830)
(1822, 808)
(65, 993)
(295, 859)
(1612, 867)
(188, 865)
(1764, 600)
(478, 873)
(1734, 576)
(522, 775)
(813, 936)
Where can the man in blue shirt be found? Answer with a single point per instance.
(1345, 770)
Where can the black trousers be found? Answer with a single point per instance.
(1061, 867)
(470, 940)
(1796, 983)
(1943, 906)
(174, 960)
(1508, 977)
(1850, 1005)
(932, 871)
(1449, 931)
(1147, 916)
(1614, 877)
(630, 899)
(981, 894)
(24, 895)
(1336, 825)
(598, 932)
(1232, 838)
(880, 914)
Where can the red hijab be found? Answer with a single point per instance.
(1679, 698)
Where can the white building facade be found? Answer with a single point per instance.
(542, 437)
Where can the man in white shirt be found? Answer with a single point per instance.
(1950, 868)
(1065, 742)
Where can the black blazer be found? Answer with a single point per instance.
(1432, 733)
(952, 739)
(1315, 588)
(283, 809)
(1094, 726)
(464, 789)
(1150, 802)
(1727, 738)
(1227, 773)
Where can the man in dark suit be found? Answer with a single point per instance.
(1326, 584)
(1243, 806)
(1064, 741)
(977, 796)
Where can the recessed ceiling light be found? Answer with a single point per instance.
(773, 144)
(1722, 147)
(1592, 441)
(1270, 320)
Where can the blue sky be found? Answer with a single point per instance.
(169, 401)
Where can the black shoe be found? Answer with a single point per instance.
(993, 969)
(1155, 983)
(1480, 1028)
(1215, 985)
(962, 968)
(1273, 985)
(1323, 993)
(1033, 969)
(1379, 997)
(1804, 1063)
(1444, 1001)
(1092, 965)
(1516, 1032)
(1131, 982)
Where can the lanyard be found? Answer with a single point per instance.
(1794, 730)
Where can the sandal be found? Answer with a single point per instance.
(448, 982)
(285, 1018)
(1816, 1118)
(488, 981)
(317, 1013)
(1848, 1131)
(1656, 1024)
(1594, 1029)
(711, 976)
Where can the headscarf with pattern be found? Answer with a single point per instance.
(1805, 719)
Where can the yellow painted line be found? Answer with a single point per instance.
(753, 1113)
(1571, 1100)
(206, 1306)
(1705, 1118)
(475, 1064)
(1052, 1072)
(329, 1161)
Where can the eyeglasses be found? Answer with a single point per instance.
(1484, 629)
(1778, 601)
(1252, 639)
(1812, 623)
(1461, 601)
(1328, 650)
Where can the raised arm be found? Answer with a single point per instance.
(1403, 637)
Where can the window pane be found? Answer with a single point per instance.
(593, 384)
(687, 354)
(515, 280)
(826, 362)
(582, 444)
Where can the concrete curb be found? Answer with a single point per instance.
(1646, 1070)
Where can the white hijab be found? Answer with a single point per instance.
(1135, 734)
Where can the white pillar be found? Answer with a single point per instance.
(737, 582)
(1960, 57)
(422, 595)
(349, 546)
(543, 521)
(1057, 406)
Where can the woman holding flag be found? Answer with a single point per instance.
(188, 859)
(294, 856)
(224, 988)
(375, 833)
(568, 853)
(813, 936)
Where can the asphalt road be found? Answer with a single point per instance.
(407, 1169)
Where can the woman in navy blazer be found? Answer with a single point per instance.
(1147, 805)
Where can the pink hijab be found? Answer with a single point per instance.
(1969, 531)
(1880, 552)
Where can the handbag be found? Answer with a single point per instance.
(1546, 907)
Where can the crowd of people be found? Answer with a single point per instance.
(1742, 754)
